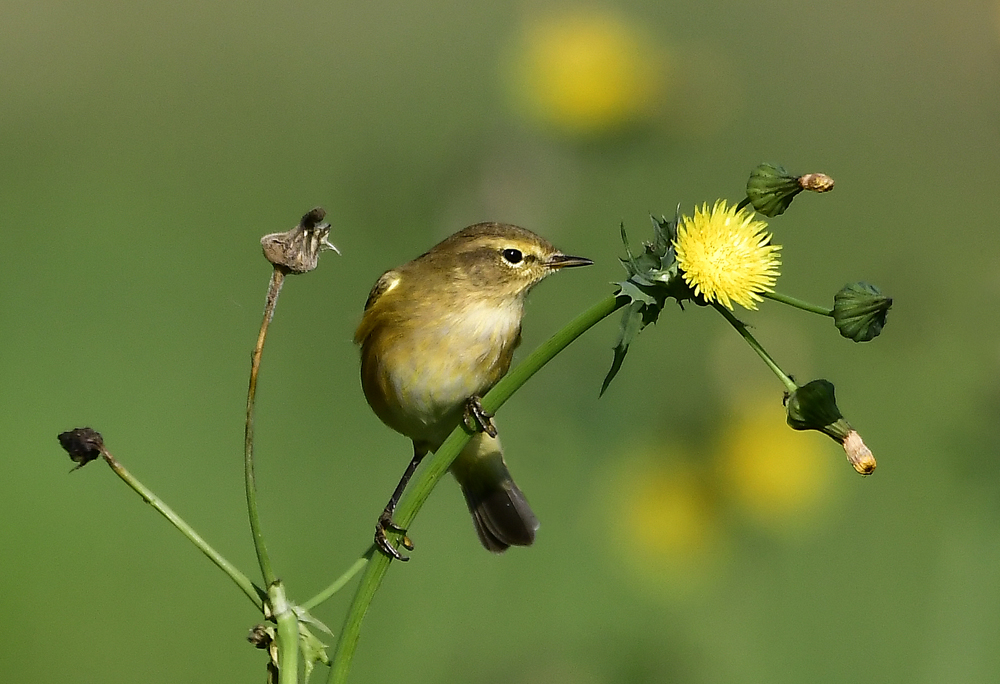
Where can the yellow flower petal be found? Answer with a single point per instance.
(726, 256)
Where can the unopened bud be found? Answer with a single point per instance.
(858, 454)
(859, 311)
(816, 182)
(297, 250)
(771, 188)
(813, 406)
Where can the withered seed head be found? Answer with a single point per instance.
(82, 444)
(297, 250)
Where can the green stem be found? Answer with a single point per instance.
(253, 592)
(441, 461)
(287, 634)
(741, 328)
(797, 303)
(273, 290)
(339, 583)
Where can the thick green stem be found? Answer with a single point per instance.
(273, 290)
(441, 461)
(253, 592)
(797, 303)
(741, 328)
(287, 634)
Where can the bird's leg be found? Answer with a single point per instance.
(476, 418)
(385, 519)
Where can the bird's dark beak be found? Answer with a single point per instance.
(563, 261)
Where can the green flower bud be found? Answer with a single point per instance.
(771, 189)
(813, 406)
(859, 311)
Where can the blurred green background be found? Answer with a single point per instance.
(687, 535)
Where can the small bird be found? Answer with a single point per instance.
(437, 333)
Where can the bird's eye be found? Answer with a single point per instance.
(512, 256)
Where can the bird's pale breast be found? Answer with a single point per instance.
(425, 371)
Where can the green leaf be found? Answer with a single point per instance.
(313, 650)
(664, 232)
(653, 278)
(635, 317)
(638, 292)
(631, 324)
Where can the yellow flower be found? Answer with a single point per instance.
(726, 256)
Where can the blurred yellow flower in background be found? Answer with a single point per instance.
(778, 476)
(663, 517)
(587, 71)
(670, 513)
(726, 256)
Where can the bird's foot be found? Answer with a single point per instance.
(477, 419)
(382, 542)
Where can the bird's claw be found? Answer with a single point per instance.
(477, 419)
(382, 541)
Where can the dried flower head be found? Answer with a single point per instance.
(297, 250)
(82, 444)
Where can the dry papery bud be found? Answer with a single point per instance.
(297, 250)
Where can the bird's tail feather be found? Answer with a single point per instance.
(499, 508)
